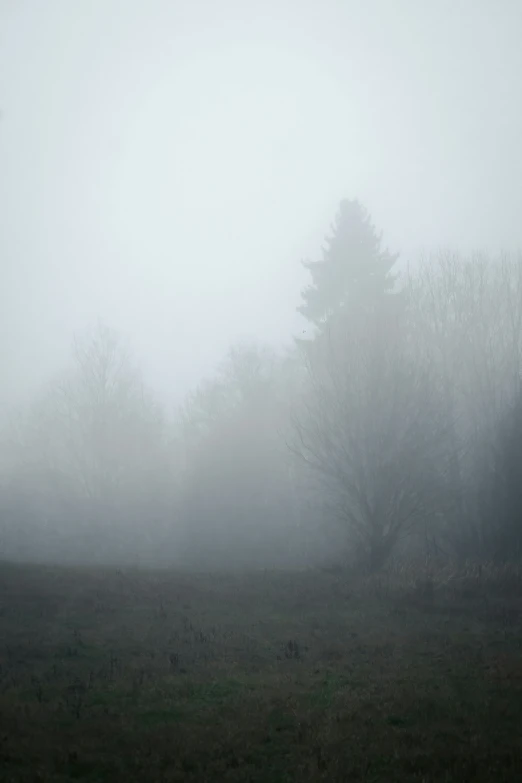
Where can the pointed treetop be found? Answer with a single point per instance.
(354, 271)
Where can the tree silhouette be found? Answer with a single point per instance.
(354, 272)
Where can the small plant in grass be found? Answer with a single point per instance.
(75, 697)
(292, 649)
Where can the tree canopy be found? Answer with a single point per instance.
(354, 272)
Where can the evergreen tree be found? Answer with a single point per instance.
(354, 272)
(365, 394)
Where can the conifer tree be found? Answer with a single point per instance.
(354, 273)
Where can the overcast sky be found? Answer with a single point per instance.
(165, 165)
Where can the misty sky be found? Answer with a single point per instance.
(165, 165)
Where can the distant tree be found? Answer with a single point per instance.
(354, 273)
(239, 485)
(113, 428)
(244, 374)
(501, 489)
(360, 424)
(466, 313)
(93, 453)
(370, 428)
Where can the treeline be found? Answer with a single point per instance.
(394, 428)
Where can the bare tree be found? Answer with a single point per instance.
(467, 313)
(370, 426)
(239, 487)
(93, 452)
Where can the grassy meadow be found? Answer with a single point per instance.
(132, 675)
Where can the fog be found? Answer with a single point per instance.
(165, 166)
(164, 169)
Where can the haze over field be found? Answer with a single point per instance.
(164, 166)
(260, 390)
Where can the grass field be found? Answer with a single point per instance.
(110, 675)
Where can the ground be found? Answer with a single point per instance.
(125, 675)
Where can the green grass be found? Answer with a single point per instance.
(140, 676)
